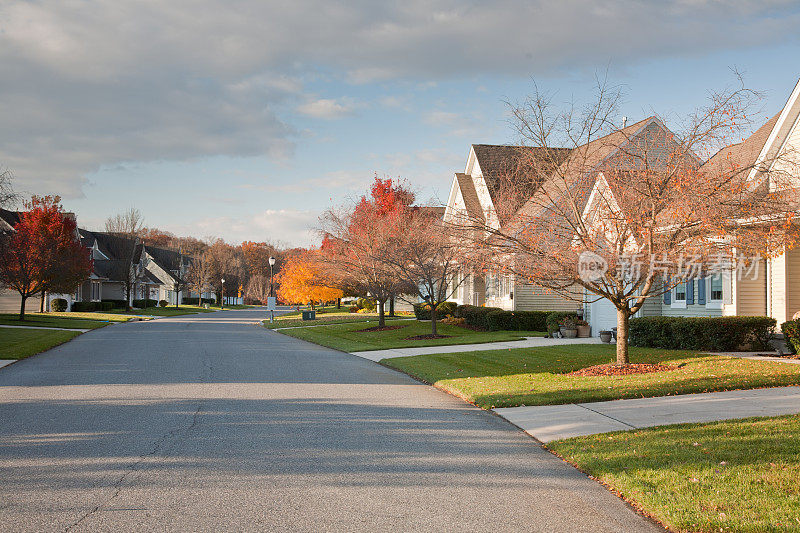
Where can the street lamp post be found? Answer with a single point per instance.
(222, 295)
(271, 289)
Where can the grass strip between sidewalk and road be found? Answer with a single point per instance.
(538, 376)
(336, 318)
(347, 338)
(20, 343)
(740, 475)
(61, 320)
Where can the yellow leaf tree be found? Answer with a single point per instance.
(301, 282)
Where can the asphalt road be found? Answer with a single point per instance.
(209, 423)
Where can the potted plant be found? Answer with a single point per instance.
(605, 336)
(570, 328)
(583, 329)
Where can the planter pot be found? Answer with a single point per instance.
(561, 330)
(605, 336)
(614, 333)
(570, 333)
(584, 331)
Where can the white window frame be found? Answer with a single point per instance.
(676, 303)
(712, 303)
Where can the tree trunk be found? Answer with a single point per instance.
(338, 303)
(22, 308)
(623, 317)
(381, 313)
(41, 304)
(433, 321)
(391, 306)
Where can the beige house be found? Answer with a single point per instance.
(770, 287)
(472, 199)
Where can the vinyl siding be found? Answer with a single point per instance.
(527, 297)
(751, 295)
(10, 302)
(652, 306)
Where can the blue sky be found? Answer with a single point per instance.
(245, 120)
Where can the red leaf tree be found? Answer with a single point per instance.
(359, 242)
(43, 252)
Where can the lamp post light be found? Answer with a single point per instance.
(222, 295)
(271, 289)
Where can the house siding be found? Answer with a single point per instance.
(528, 297)
(751, 295)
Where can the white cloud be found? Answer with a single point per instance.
(292, 227)
(327, 108)
(98, 83)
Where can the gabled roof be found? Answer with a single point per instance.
(10, 218)
(741, 155)
(522, 165)
(470, 196)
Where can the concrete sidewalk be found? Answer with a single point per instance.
(553, 422)
(529, 342)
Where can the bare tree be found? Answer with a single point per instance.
(8, 198)
(126, 229)
(427, 258)
(621, 216)
(199, 275)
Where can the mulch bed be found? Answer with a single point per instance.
(379, 328)
(612, 369)
(426, 337)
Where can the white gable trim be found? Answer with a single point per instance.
(451, 200)
(791, 108)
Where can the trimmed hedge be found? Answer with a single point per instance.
(84, 307)
(791, 332)
(194, 301)
(116, 304)
(163, 303)
(475, 316)
(717, 334)
(423, 310)
(58, 305)
(141, 304)
(499, 320)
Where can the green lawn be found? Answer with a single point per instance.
(537, 376)
(330, 318)
(346, 337)
(166, 311)
(20, 343)
(741, 475)
(55, 320)
(91, 315)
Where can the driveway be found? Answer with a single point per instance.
(207, 422)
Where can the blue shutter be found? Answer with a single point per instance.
(690, 292)
(668, 297)
(701, 291)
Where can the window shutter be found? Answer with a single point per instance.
(701, 291)
(668, 297)
(690, 292)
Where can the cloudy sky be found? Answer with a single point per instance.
(244, 119)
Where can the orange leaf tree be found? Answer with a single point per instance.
(301, 281)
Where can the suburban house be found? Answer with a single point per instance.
(772, 286)
(158, 273)
(473, 197)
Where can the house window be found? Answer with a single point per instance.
(716, 288)
(679, 296)
(680, 292)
